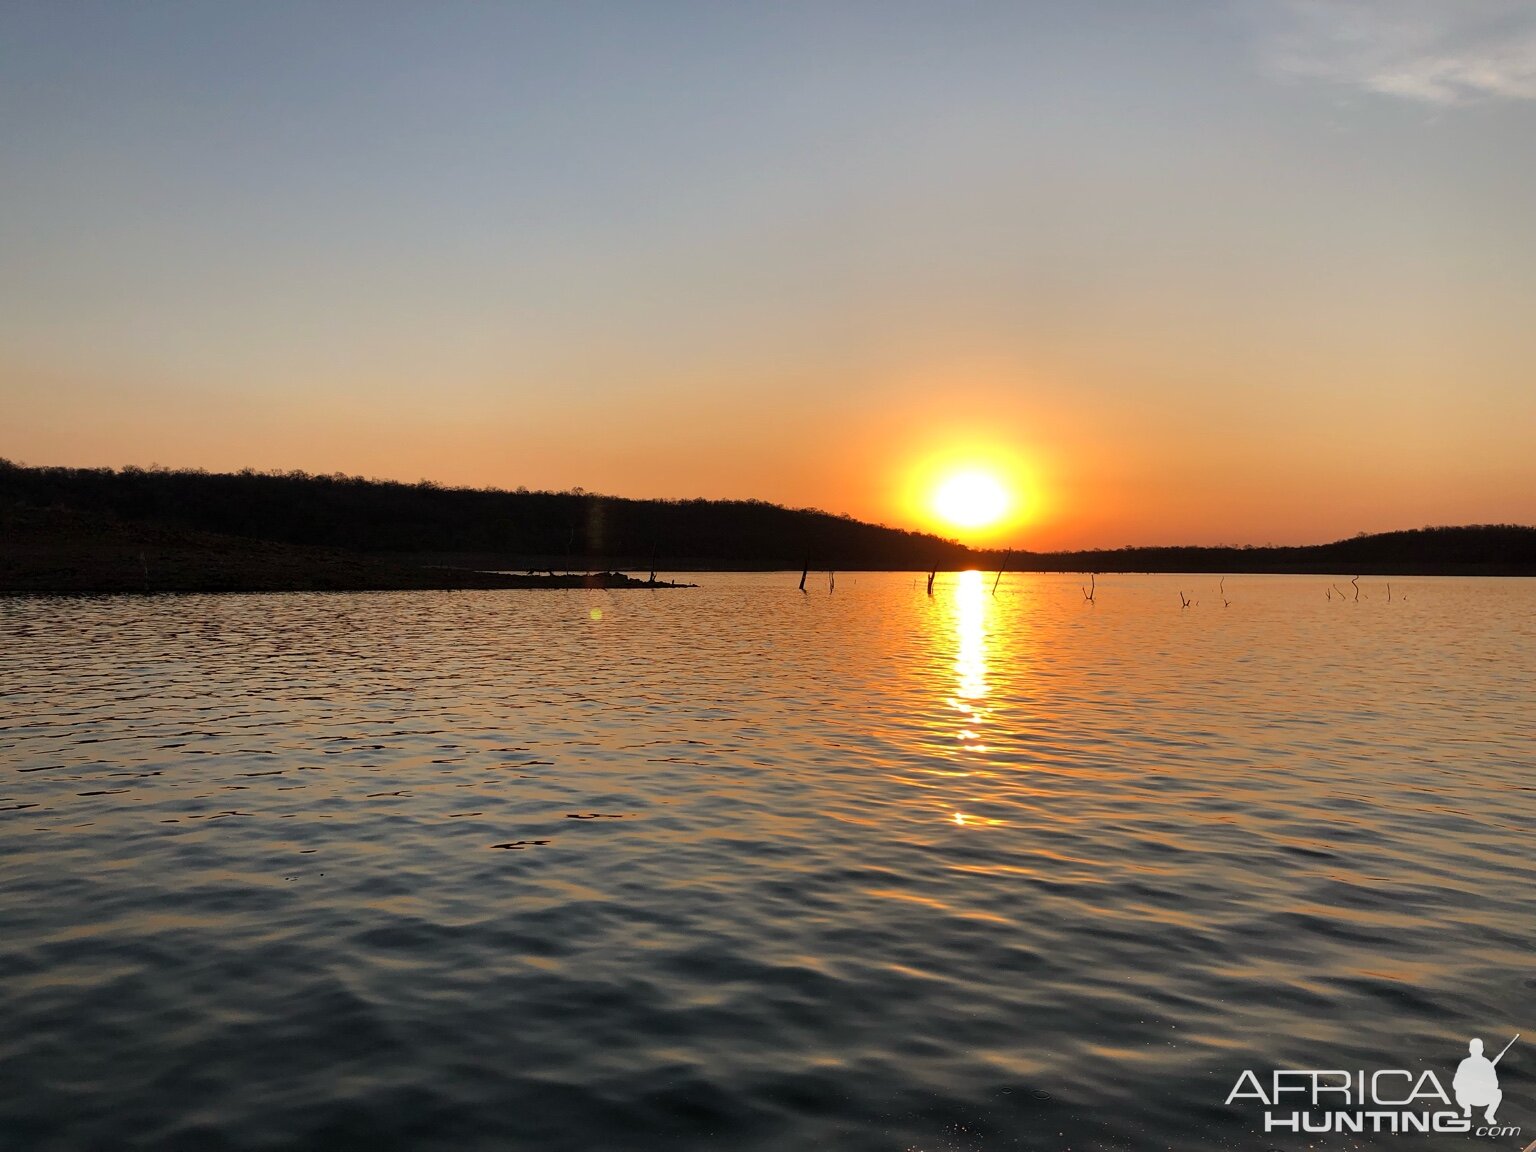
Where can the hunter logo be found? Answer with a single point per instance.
(1477, 1081)
(1386, 1100)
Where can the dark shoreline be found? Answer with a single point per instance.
(1241, 562)
(53, 583)
(69, 555)
(72, 528)
(60, 553)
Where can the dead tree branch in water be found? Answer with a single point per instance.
(1090, 592)
(1225, 603)
(1184, 601)
(931, 575)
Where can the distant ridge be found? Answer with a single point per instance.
(490, 526)
(427, 523)
(1468, 550)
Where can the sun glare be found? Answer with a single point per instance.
(971, 499)
(972, 490)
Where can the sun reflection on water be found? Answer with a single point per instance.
(970, 657)
(971, 677)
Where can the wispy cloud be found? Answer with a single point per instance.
(1435, 51)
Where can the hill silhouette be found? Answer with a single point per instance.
(1467, 550)
(427, 523)
(530, 529)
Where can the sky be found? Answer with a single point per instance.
(1203, 272)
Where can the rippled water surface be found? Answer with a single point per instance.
(741, 868)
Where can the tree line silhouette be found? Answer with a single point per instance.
(587, 529)
(1474, 549)
(385, 516)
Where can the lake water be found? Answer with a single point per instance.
(741, 868)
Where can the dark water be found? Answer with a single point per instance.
(738, 868)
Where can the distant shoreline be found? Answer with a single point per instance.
(61, 554)
(131, 530)
(1039, 563)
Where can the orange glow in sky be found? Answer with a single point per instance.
(1135, 284)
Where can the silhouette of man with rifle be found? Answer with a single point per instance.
(1477, 1084)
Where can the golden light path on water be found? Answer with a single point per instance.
(972, 605)
(970, 646)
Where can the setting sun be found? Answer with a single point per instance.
(971, 488)
(971, 499)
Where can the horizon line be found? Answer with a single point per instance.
(579, 492)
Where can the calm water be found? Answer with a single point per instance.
(740, 868)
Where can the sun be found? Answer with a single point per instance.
(972, 498)
(971, 489)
